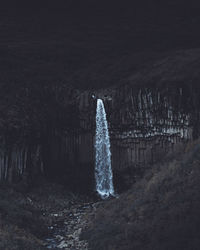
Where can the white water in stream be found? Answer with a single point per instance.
(103, 169)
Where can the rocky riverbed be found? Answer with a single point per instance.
(67, 226)
(45, 217)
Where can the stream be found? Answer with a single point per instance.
(67, 226)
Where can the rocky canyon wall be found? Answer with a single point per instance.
(145, 124)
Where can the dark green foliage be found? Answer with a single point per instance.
(160, 212)
(16, 209)
(21, 224)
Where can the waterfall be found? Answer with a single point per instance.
(103, 170)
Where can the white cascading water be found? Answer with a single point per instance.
(103, 169)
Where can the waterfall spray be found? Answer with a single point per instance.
(103, 169)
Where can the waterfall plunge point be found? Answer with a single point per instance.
(103, 169)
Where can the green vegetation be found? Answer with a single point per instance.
(160, 212)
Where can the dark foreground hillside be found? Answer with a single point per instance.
(41, 217)
(160, 212)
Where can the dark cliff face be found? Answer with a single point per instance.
(140, 60)
(150, 116)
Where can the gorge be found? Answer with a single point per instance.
(99, 125)
(145, 124)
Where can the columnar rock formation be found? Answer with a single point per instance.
(144, 123)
